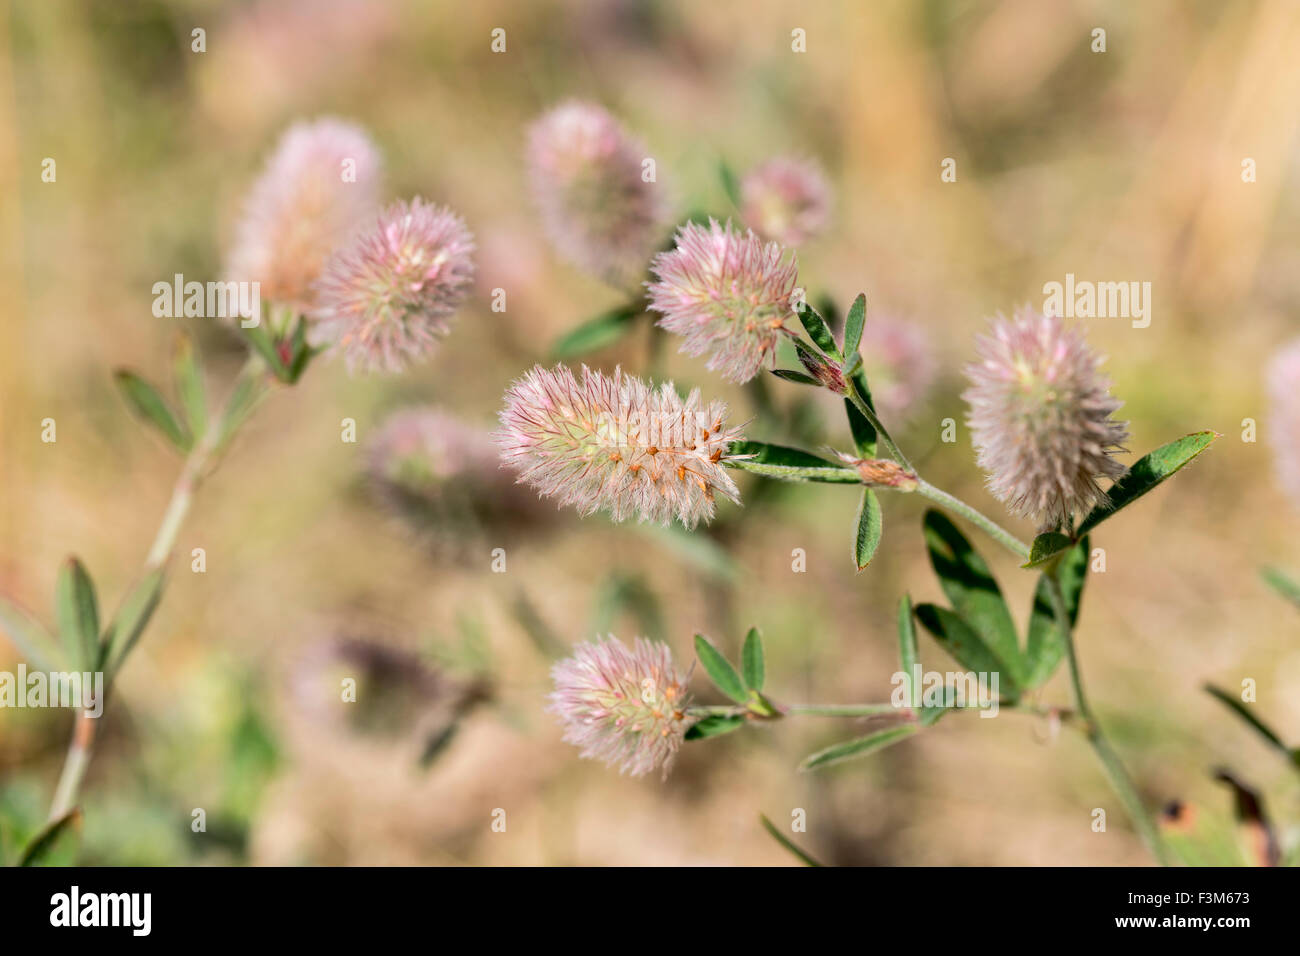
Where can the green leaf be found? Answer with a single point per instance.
(130, 620)
(715, 725)
(189, 385)
(145, 401)
(263, 345)
(50, 845)
(853, 324)
(1146, 473)
(1282, 584)
(819, 331)
(598, 333)
(790, 464)
(870, 527)
(1046, 646)
(720, 670)
(799, 378)
(1238, 706)
(907, 652)
(1047, 547)
(864, 433)
(974, 593)
(861, 747)
(77, 612)
(965, 646)
(786, 842)
(37, 646)
(751, 659)
(730, 185)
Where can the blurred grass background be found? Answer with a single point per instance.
(1117, 166)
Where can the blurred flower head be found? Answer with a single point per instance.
(386, 297)
(320, 184)
(1040, 416)
(619, 444)
(622, 706)
(1284, 417)
(727, 294)
(786, 200)
(899, 363)
(586, 176)
(443, 479)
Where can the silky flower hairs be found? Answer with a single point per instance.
(619, 444)
(1040, 414)
(623, 706)
(727, 294)
(786, 200)
(587, 183)
(386, 298)
(319, 185)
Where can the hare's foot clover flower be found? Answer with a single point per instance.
(587, 181)
(320, 185)
(786, 200)
(619, 444)
(387, 296)
(1284, 417)
(624, 706)
(727, 293)
(1040, 414)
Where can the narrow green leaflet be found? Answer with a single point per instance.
(1238, 706)
(720, 670)
(715, 725)
(966, 647)
(1282, 584)
(260, 340)
(37, 646)
(798, 378)
(1146, 473)
(870, 528)
(130, 620)
(974, 593)
(786, 842)
(52, 845)
(907, 652)
(861, 747)
(77, 612)
(790, 464)
(145, 401)
(864, 433)
(189, 386)
(853, 324)
(819, 331)
(1046, 646)
(598, 333)
(752, 661)
(1046, 547)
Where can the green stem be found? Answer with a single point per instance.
(842, 710)
(861, 404)
(193, 472)
(1120, 780)
(957, 506)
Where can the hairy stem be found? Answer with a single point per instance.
(860, 403)
(196, 467)
(959, 507)
(1120, 780)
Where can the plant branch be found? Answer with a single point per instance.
(988, 526)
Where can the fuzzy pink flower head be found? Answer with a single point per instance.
(1284, 417)
(586, 174)
(320, 184)
(727, 294)
(899, 363)
(623, 706)
(1040, 416)
(387, 297)
(786, 200)
(619, 444)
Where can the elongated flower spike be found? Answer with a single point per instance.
(1284, 417)
(727, 293)
(619, 444)
(623, 706)
(1040, 416)
(786, 200)
(387, 297)
(597, 208)
(320, 185)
